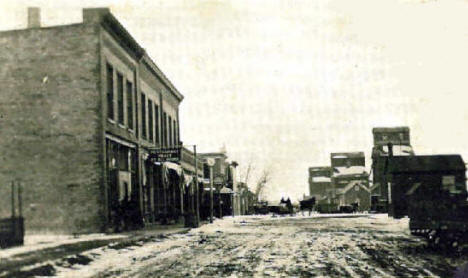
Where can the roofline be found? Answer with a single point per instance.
(141, 53)
(152, 65)
(391, 171)
(419, 171)
(213, 154)
(365, 174)
(349, 154)
(320, 168)
(386, 129)
(436, 155)
(348, 187)
(107, 19)
(12, 31)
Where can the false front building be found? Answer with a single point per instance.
(82, 106)
(227, 195)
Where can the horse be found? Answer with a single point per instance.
(307, 204)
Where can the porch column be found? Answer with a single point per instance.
(151, 192)
(174, 209)
(164, 186)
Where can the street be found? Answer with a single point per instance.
(267, 246)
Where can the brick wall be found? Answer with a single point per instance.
(50, 126)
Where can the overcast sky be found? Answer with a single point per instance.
(283, 83)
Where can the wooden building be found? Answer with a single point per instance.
(406, 174)
(350, 180)
(399, 137)
(320, 185)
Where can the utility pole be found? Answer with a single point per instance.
(13, 209)
(197, 201)
(235, 200)
(211, 194)
(219, 204)
(210, 162)
(20, 200)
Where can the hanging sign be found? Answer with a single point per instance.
(172, 154)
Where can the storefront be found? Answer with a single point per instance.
(192, 167)
(163, 191)
(122, 190)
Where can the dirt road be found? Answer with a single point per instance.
(266, 246)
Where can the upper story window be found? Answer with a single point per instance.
(143, 116)
(174, 136)
(120, 99)
(156, 122)
(110, 91)
(170, 130)
(129, 105)
(150, 120)
(164, 129)
(217, 165)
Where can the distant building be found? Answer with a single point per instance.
(350, 179)
(399, 138)
(320, 185)
(225, 184)
(247, 199)
(220, 168)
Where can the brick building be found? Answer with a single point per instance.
(399, 137)
(81, 106)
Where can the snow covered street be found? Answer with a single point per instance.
(266, 246)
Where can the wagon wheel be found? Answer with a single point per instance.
(456, 244)
(433, 239)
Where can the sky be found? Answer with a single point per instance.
(282, 84)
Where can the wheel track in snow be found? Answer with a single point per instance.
(216, 255)
(286, 247)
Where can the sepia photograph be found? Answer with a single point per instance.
(233, 138)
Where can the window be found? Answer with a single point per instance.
(156, 122)
(170, 130)
(217, 166)
(150, 120)
(120, 98)
(448, 184)
(174, 133)
(143, 116)
(164, 129)
(389, 188)
(129, 105)
(123, 155)
(110, 92)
